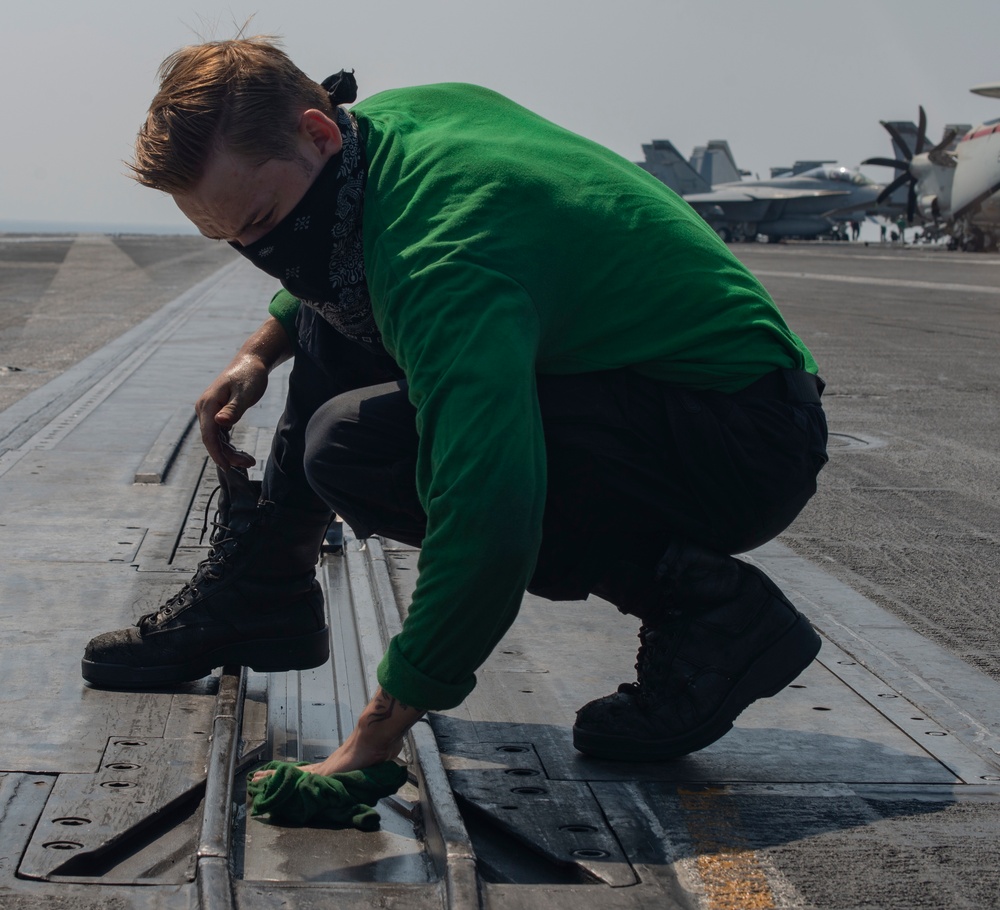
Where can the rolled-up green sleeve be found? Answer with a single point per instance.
(284, 306)
(396, 674)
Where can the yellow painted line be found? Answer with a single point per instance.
(732, 875)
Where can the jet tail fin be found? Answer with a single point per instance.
(715, 162)
(665, 163)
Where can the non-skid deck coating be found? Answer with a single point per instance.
(857, 786)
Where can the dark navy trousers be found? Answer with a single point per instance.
(632, 463)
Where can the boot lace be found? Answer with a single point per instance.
(224, 544)
(655, 659)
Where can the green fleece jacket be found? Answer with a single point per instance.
(499, 246)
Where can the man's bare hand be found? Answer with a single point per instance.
(223, 403)
(237, 389)
(378, 737)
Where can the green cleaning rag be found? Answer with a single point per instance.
(295, 797)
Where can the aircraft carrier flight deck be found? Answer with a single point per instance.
(873, 781)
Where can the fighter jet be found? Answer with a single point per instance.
(804, 203)
(953, 187)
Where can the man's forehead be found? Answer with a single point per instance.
(219, 203)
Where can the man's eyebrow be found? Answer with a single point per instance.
(249, 223)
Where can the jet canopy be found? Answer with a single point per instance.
(839, 174)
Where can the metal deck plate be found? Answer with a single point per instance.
(837, 754)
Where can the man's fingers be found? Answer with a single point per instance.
(215, 438)
(230, 413)
(237, 457)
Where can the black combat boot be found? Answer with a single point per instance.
(724, 637)
(253, 601)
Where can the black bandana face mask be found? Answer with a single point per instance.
(316, 251)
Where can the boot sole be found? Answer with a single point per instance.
(772, 670)
(265, 656)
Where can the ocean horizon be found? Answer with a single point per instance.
(20, 226)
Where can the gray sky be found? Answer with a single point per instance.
(780, 80)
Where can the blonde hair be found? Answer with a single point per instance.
(244, 94)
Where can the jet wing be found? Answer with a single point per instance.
(758, 194)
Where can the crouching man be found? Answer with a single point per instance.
(512, 348)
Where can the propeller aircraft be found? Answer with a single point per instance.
(953, 187)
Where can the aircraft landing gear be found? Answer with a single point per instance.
(973, 241)
(744, 232)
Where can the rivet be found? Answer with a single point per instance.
(62, 845)
(989, 777)
(935, 733)
(588, 854)
(117, 784)
(530, 791)
(123, 766)
(512, 749)
(821, 709)
(521, 772)
(129, 742)
(846, 663)
(71, 821)
(578, 829)
(887, 695)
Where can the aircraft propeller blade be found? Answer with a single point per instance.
(898, 138)
(937, 154)
(944, 143)
(897, 163)
(905, 177)
(921, 128)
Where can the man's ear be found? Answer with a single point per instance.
(317, 129)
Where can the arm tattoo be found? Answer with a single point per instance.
(383, 706)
